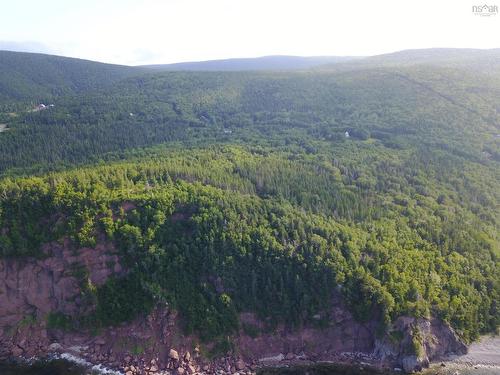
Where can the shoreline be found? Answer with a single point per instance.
(485, 352)
(482, 358)
(347, 363)
(481, 354)
(320, 367)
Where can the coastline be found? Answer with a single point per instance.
(308, 367)
(483, 358)
(345, 364)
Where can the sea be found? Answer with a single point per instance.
(66, 364)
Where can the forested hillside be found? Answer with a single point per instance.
(404, 108)
(263, 191)
(38, 77)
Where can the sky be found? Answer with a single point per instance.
(137, 32)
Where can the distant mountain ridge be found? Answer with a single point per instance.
(448, 57)
(484, 61)
(256, 63)
(40, 77)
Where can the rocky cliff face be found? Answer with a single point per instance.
(413, 343)
(32, 289)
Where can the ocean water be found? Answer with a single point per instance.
(68, 365)
(55, 367)
(320, 369)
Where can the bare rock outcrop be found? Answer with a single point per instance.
(33, 288)
(413, 343)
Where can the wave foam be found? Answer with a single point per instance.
(100, 369)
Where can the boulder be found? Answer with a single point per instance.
(17, 351)
(55, 347)
(240, 365)
(173, 354)
(410, 363)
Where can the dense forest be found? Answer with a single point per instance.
(264, 191)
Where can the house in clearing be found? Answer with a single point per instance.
(41, 107)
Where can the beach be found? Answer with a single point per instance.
(482, 358)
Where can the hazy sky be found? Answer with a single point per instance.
(164, 31)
